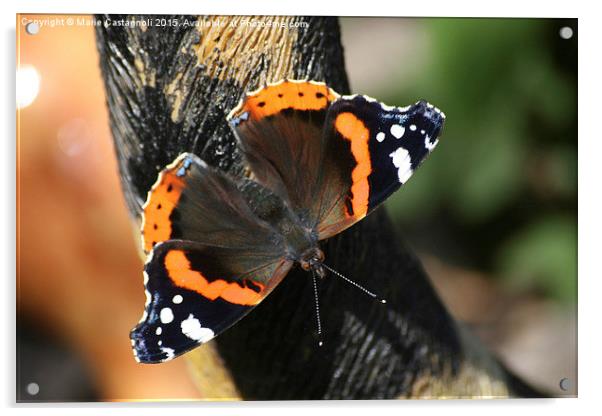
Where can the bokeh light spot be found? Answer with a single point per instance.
(28, 85)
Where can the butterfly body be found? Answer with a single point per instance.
(218, 245)
(290, 230)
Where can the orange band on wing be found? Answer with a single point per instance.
(178, 268)
(354, 130)
(287, 94)
(162, 200)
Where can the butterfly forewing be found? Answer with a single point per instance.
(195, 292)
(387, 144)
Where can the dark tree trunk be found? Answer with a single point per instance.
(168, 91)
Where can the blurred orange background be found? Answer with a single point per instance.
(78, 269)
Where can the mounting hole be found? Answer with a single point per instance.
(33, 389)
(566, 32)
(32, 28)
(565, 384)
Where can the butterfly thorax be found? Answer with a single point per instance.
(301, 241)
(291, 227)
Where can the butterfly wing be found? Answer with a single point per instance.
(195, 292)
(279, 130)
(192, 201)
(211, 259)
(334, 158)
(372, 149)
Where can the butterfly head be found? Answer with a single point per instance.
(312, 259)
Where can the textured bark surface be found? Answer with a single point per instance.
(168, 91)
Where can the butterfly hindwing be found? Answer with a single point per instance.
(194, 292)
(279, 131)
(192, 201)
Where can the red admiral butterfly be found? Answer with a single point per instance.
(218, 245)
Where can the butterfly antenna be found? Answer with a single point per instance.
(315, 283)
(362, 288)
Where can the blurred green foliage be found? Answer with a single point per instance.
(502, 185)
(544, 253)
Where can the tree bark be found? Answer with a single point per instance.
(168, 91)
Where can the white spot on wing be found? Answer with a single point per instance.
(427, 143)
(192, 328)
(413, 127)
(403, 163)
(380, 136)
(177, 299)
(166, 315)
(159, 330)
(169, 351)
(397, 131)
